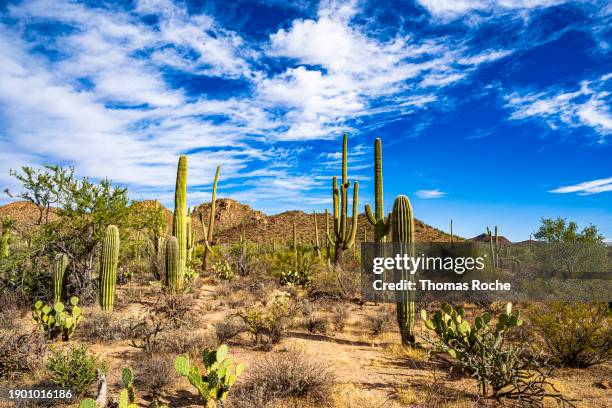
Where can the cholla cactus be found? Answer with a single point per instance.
(108, 268)
(60, 263)
(402, 221)
(220, 373)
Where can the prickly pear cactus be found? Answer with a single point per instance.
(220, 374)
(58, 320)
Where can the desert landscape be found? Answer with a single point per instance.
(131, 304)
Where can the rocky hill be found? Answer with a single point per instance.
(233, 219)
(485, 238)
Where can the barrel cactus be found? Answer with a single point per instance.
(108, 267)
(402, 226)
(60, 263)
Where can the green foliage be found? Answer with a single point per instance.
(88, 403)
(343, 235)
(574, 334)
(73, 368)
(559, 230)
(223, 270)
(108, 268)
(59, 320)
(219, 374)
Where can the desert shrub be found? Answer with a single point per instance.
(574, 334)
(228, 329)
(155, 375)
(20, 353)
(267, 323)
(145, 334)
(339, 317)
(290, 270)
(242, 257)
(184, 341)
(503, 370)
(218, 376)
(283, 376)
(73, 368)
(175, 310)
(104, 327)
(57, 320)
(379, 322)
(316, 324)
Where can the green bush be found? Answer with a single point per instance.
(223, 270)
(575, 334)
(59, 320)
(73, 368)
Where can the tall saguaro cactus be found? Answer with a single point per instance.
(172, 266)
(60, 263)
(108, 268)
(381, 225)
(343, 234)
(494, 244)
(179, 221)
(208, 235)
(402, 220)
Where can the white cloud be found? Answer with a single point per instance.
(587, 188)
(427, 194)
(588, 106)
(454, 8)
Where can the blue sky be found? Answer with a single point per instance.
(491, 112)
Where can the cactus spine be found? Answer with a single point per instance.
(179, 221)
(402, 220)
(172, 266)
(5, 240)
(208, 235)
(343, 234)
(108, 268)
(60, 263)
(377, 219)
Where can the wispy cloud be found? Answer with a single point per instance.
(427, 194)
(587, 106)
(454, 8)
(587, 188)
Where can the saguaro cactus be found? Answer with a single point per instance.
(343, 234)
(5, 240)
(377, 219)
(317, 245)
(294, 244)
(402, 220)
(60, 263)
(190, 237)
(208, 235)
(494, 246)
(172, 266)
(179, 221)
(108, 268)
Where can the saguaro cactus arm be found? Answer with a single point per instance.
(108, 267)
